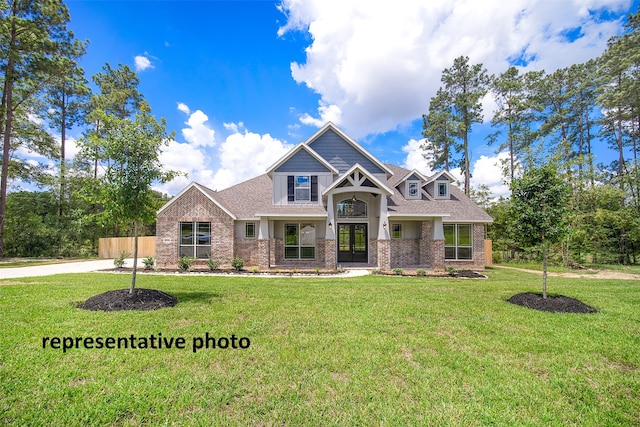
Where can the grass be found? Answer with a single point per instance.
(374, 350)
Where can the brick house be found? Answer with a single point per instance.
(328, 202)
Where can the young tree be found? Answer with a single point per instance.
(539, 202)
(130, 149)
(33, 38)
(466, 85)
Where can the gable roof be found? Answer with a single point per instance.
(209, 193)
(329, 126)
(294, 151)
(410, 174)
(459, 208)
(382, 186)
(438, 175)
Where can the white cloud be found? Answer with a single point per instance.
(415, 158)
(198, 133)
(486, 170)
(376, 64)
(142, 63)
(183, 107)
(244, 155)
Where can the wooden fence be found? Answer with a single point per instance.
(488, 253)
(111, 247)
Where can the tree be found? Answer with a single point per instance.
(65, 101)
(130, 149)
(466, 85)
(33, 38)
(439, 130)
(539, 202)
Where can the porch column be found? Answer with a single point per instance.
(384, 246)
(330, 236)
(263, 244)
(438, 245)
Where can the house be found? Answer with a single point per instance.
(328, 202)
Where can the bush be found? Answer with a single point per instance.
(421, 272)
(397, 271)
(452, 271)
(149, 262)
(119, 261)
(213, 264)
(237, 263)
(185, 263)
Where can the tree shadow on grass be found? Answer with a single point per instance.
(196, 296)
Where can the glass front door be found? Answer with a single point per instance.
(352, 243)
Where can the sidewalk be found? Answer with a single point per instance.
(105, 264)
(67, 267)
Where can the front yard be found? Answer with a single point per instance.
(372, 350)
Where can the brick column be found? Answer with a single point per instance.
(330, 254)
(384, 255)
(263, 254)
(437, 254)
(425, 257)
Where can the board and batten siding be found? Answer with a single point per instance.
(280, 185)
(341, 154)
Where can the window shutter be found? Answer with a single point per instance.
(290, 188)
(314, 188)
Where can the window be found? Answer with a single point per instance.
(413, 190)
(302, 188)
(352, 209)
(396, 231)
(195, 239)
(443, 190)
(458, 241)
(250, 230)
(299, 241)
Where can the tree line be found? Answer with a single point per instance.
(561, 119)
(46, 92)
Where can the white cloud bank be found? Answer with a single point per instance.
(376, 64)
(218, 164)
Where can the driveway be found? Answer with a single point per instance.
(67, 267)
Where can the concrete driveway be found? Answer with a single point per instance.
(66, 267)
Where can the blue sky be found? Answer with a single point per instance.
(241, 82)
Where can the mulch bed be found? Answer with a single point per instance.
(468, 274)
(121, 299)
(552, 304)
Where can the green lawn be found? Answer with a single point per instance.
(371, 351)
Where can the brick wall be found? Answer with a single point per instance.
(193, 206)
(384, 255)
(248, 250)
(405, 252)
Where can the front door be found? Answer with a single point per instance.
(352, 243)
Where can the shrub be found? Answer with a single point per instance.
(255, 270)
(421, 272)
(213, 264)
(377, 271)
(149, 262)
(452, 271)
(237, 263)
(119, 261)
(397, 271)
(185, 263)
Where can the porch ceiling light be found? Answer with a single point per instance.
(353, 199)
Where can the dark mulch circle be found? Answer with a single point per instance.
(121, 299)
(553, 303)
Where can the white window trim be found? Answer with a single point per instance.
(246, 230)
(437, 190)
(408, 192)
(457, 246)
(299, 245)
(296, 188)
(393, 225)
(195, 244)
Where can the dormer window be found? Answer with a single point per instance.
(442, 190)
(413, 190)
